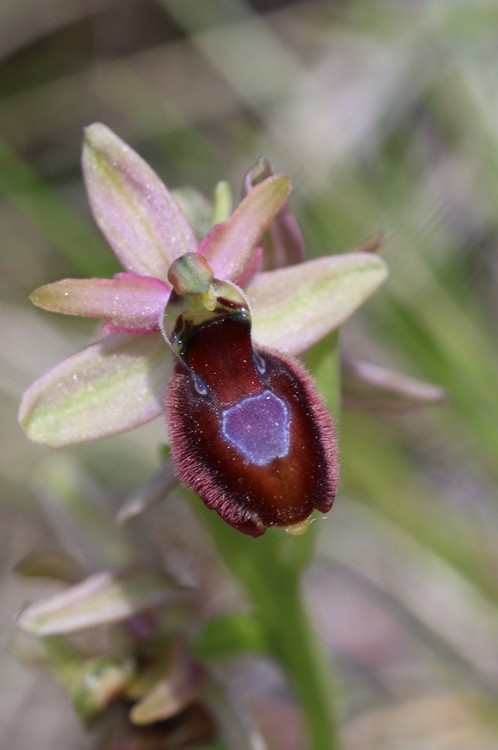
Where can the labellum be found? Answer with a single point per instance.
(249, 432)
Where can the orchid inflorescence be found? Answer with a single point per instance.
(205, 333)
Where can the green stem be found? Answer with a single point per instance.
(270, 569)
(299, 651)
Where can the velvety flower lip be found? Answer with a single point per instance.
(249, 432)
(119, 382)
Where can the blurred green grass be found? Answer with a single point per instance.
(385, 116)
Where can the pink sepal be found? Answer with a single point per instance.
(128, 303)
(229, 247)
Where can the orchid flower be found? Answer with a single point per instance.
(160, 316)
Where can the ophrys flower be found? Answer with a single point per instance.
(119, 382)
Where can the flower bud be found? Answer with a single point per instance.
(283, 241)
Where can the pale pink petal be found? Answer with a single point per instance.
(136, 213)
(229, 246)
(370, 387)
(254, 266)
(132, 303)
(151, 494)
(111, 386)
(283, 242)
(103, 599)
(295, 307)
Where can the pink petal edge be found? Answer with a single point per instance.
(129, 303)
(229, 247)
(135, 211)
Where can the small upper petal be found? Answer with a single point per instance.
(295, 307)
(111, 386)
(129, 302)
(141, 220)
(229, 246)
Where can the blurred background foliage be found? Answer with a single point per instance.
(385, 115)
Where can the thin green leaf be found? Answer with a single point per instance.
(231, 635)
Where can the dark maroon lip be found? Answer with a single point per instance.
(249, 432)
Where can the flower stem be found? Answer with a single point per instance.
(294, 644)
(270, 570)
(308, 669)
